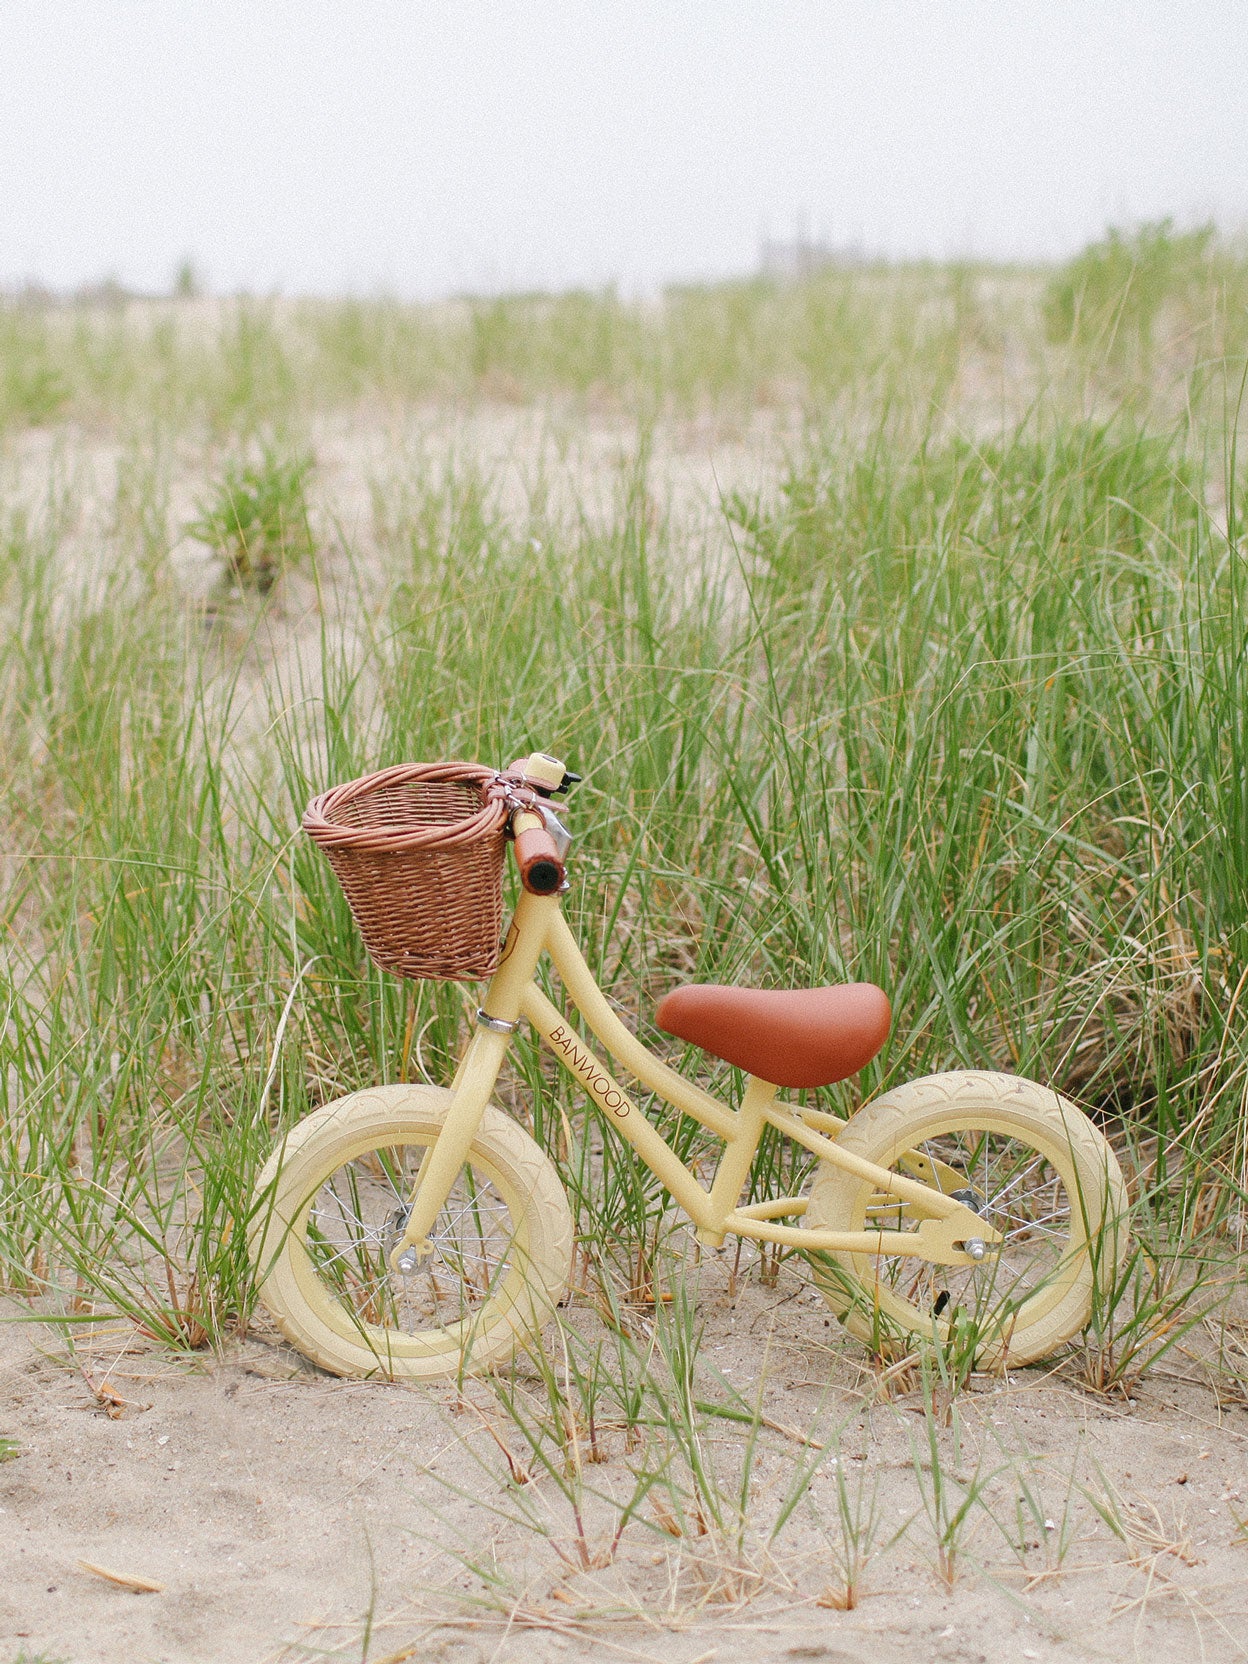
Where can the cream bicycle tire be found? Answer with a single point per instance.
(326, 1215)
(1038, 1292)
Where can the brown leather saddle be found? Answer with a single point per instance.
(790, 1037)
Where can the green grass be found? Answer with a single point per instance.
(1149, 315)
(956, 707)
(255, 517)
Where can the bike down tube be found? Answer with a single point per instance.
(617, 1106)
(623, 1044)
(478, 1072)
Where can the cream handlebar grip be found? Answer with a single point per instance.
(537, 856)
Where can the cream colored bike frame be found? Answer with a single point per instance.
(539, 926)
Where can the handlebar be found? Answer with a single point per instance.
(540, 837)
(537, 856)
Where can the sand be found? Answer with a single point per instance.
(288, 1515)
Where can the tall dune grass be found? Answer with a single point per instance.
(960, 715)
(1146, 315)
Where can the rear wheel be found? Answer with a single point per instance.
(1035, 1169)
(332, 1201)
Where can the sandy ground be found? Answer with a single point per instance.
(541, 460)
(291, 1516)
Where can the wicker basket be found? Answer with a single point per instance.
(419, 851)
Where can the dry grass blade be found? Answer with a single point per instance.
(124, 1580)
(520, 1475)
(1139, 1525)
(110, 1401)
(1151, 1536)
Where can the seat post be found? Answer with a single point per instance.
(734, 1164)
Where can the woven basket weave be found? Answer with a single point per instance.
(418, 849)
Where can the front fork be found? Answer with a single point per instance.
(497, 1021)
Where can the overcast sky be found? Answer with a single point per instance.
(423, 149)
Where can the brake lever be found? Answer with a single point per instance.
(558, 831)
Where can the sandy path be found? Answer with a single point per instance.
(279, 1507)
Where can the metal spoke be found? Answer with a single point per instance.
(1015, 1181)
(357, 1216)
(343, 1253)
(1019, 1194)
(1037, 1225)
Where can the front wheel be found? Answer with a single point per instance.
(1037, 1171)
(329, 1207)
